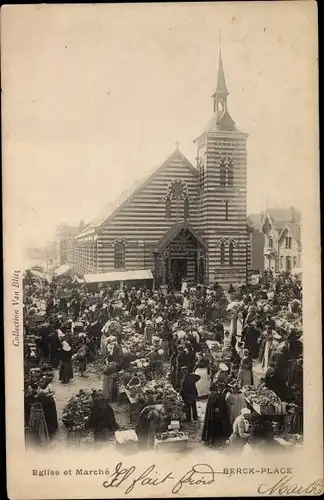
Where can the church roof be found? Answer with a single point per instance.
(221, 122)
(130, 192)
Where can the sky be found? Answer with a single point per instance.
(96, 96)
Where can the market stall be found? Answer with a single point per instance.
(135, 278)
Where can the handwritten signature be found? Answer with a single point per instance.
(286, 486)
(198, 475)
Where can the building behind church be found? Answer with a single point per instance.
(184, 220)
(276, 239)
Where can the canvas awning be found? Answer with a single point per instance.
(36, 273)
(62, 270)
(136, 275)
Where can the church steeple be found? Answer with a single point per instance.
(220, 96)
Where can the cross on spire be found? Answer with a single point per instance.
(177, 144)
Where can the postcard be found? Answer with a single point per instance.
(162, 250)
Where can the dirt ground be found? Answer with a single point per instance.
(93, 380)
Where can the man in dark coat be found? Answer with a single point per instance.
(189, 393)
(217, 427)
(250, 336)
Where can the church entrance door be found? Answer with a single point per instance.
(178, 271)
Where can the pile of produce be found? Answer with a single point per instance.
(78, 409)
(35, 375)
(266, 399)
(171, 435)
(157, 391)
(289, 321)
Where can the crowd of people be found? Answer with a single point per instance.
(66, 327)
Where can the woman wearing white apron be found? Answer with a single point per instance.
(239, 324)
(233, 325)
(203, 384)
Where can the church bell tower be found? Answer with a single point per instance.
(222, 167)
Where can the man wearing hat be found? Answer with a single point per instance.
(241, 429)
(189, 393)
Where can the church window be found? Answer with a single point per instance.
(230, 175)
(270, 242)
(186, 208)
(226, 172)
(177, 190)
(222, 174)
(222, 252)
(201, 176)
(231, 253)
(168, 208)
(226, 210)
(119, 255)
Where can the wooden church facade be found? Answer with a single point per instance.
(183, 221)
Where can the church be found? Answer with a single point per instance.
(184, 221)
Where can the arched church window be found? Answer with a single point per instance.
(168, 208)
(186, 208)
(231, 253)
(222, 252)
(222, 175)
(230, 175)
(119, 255)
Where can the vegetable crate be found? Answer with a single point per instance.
(172, 445)
(263, 409)
(126, 441)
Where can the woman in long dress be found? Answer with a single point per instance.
(233, 324)
(44, 395)
(203, 384)
(241, 430)
(239, 323)
(102, 418)
(109, 379)
(245, 375)
(217, 427)
(66, 369)
(235, 401)
(152, 420)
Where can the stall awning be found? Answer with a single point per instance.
(62, 270)
(137, 275)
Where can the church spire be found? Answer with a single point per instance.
(220, 96)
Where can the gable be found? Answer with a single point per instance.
(291, 230)
(147, 202)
